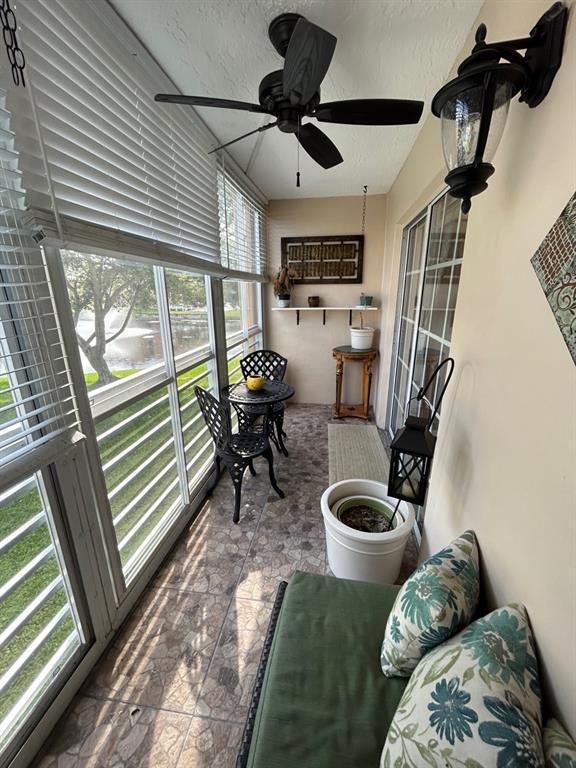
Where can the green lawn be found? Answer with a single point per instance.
(154, 479)
(13, 514)
(91, 379)
(158, 474)
(6, 400)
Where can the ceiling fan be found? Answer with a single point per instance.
(293, 93)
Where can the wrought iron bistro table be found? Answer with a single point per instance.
(364, 356)
(271, 393)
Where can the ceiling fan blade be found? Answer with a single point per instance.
(244, 136)
(308, 57)
(370, 112)
(206, 101)
(319, 146)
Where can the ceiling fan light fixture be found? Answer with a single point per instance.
(474, 106)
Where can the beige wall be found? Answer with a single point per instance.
(309, 345)
(506, 456)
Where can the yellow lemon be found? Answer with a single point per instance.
(255, 382)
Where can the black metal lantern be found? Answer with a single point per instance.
(474, 106)
(413, 448)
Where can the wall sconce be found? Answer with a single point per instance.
(412, 448)
(473, 107)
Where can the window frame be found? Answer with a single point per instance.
(63, 489)
(104, 402)
(423, 215)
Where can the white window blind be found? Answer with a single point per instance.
(242, 226)
(37, 403)
(115, 157)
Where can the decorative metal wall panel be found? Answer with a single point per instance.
(324, 259)
(555, 265)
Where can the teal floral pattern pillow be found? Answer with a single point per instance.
(559, 748)
(438, 599)
(473, 702)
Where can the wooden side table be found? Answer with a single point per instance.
(364, 356)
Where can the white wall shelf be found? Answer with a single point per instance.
(355, 308)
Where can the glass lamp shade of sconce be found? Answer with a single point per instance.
(473, 109)
(461, 118)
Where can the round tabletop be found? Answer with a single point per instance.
(272, 392)
(348, 350)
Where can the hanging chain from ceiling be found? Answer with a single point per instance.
(364, 209)
(15, 55)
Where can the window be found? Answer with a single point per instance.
(110, 174)
(242, 226)
(115, 315)
(192, 340)
(145, 340)
(430, 275)
(116, 158)
(243, 316)
(189, 317)
(40, 631)
(42, 635)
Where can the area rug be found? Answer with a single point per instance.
(356, 450)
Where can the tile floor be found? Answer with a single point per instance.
(173, 689)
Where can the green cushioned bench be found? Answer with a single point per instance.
(324, 702)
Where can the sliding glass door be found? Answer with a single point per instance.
(428, 288)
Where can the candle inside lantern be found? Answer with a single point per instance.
(407, 489)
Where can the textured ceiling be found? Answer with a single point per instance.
(386, 49)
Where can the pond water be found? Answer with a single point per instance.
(140, 345)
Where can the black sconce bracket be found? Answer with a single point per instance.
(531, 75)
(543, 55)
(543, 59)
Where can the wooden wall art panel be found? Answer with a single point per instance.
(329, 259)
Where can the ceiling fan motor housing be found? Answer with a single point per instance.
(271, 97)
(280, 31)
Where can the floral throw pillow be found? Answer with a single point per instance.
(559, 749)
(438, 599)
(472, 702)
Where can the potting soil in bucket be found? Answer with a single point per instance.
(365, 514)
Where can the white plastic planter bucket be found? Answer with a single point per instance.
(353, 554)
(361, 338)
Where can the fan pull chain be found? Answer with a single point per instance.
(364, 208)
(298, 154)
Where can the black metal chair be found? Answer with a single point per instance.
(271, 365)
(235, 451)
